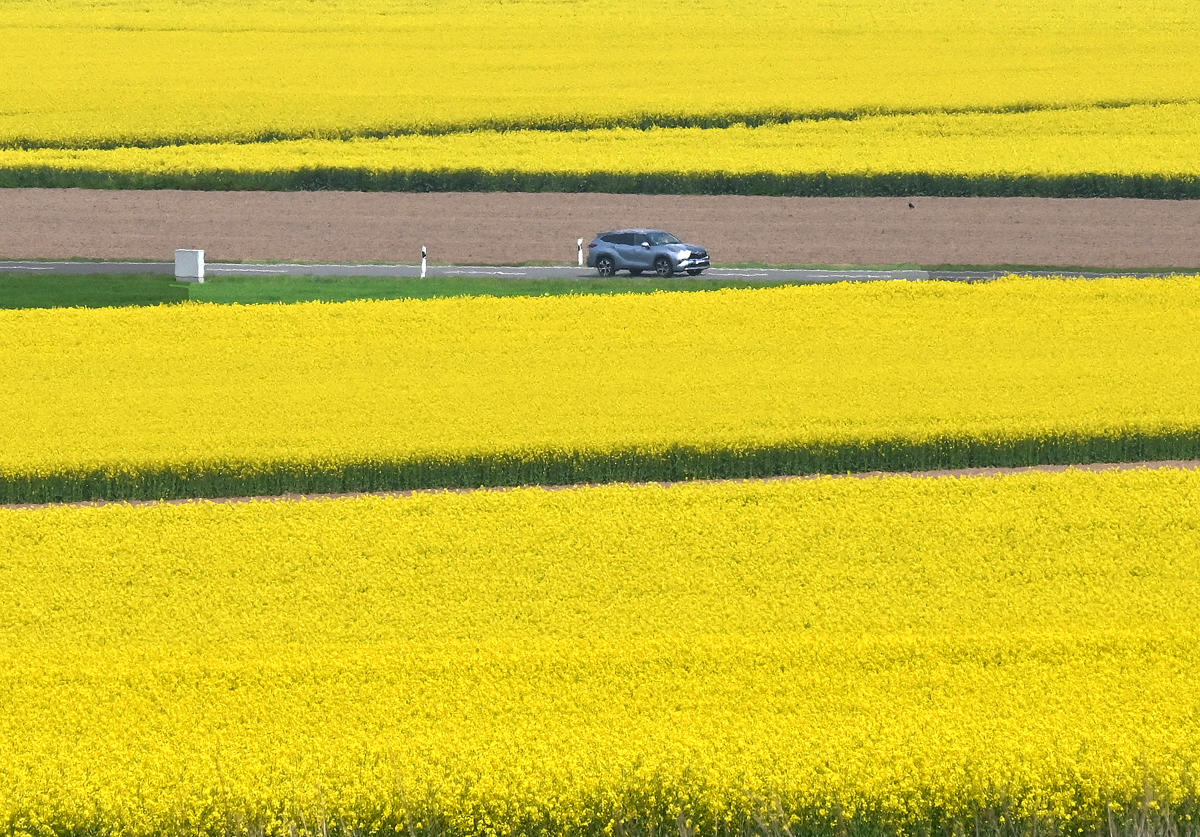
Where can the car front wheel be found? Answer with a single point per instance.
(663, 266)
(605, 266)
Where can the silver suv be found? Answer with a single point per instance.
(640, 250)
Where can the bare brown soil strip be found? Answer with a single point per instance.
(514, 228)
(1177, 464)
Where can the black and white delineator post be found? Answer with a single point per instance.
(579, 244)
(424, 257)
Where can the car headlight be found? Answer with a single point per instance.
(684, 254)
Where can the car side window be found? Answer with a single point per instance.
(611, 238)
(641, 239)
(625, 238)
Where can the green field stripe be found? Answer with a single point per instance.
(819, 184)
(679, 463)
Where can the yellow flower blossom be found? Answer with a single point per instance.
(827, 656)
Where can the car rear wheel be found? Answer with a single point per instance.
(663, 266)
(605, 266)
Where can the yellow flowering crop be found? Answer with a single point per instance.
(81, 74)
(1147, 141)
(989, 655)
(214, 84)
(214, 400)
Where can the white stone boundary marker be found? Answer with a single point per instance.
(579, 244)
(424, 255)
(189, 265)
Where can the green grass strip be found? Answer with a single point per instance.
(291, 289)
(40, 290)
(43, 290)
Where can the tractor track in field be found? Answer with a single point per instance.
(508, 228)
(1177, 464)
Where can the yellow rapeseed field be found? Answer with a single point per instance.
(80, 73)
(218, 81)
(1140, 140)
(985, 656)
(1015, 371)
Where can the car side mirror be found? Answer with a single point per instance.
(646, 244)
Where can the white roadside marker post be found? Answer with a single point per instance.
(189, 266)
(424, 256)
(579, 244)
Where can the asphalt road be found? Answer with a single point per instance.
(749, 274)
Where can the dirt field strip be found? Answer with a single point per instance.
(500, 228)
(1095, 467)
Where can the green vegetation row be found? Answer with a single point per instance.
(678, 464)
(885, 184)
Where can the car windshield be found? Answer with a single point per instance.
(663, 238)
